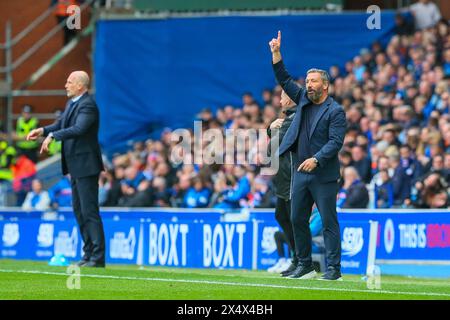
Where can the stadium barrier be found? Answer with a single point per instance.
(398, 240)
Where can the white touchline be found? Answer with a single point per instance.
(422, 281)
(228, 283)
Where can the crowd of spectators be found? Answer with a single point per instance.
(396, 152)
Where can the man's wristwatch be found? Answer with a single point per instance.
(50, 135)
(316, 161)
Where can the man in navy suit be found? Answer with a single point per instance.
(315, 136)
(81, 157)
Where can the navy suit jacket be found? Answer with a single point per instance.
(327, 131)
(77, 128)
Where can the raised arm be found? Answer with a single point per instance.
(292, 89)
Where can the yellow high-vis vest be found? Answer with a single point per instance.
(23, 128)
(6, 172)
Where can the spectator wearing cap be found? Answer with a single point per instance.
(25, 124)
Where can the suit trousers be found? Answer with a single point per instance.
(307, 190)
(87, 213)
(283, 217)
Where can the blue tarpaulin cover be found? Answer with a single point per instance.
(157, 73)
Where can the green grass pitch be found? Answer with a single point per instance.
(36, 280)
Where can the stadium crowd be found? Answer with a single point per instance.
(396, 151)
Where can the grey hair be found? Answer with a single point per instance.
(323, 74)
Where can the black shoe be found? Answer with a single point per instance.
(93, 264)
(82, 262)
(303, 272)
(289, 270)
(331, 274)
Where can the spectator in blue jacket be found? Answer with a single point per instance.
(401, 181)
(384, 192)
(409, 162)
(231, 196)
(198, 195)
(61, 193)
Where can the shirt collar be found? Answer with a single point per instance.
(77, 98)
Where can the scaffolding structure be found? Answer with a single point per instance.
(7, 90)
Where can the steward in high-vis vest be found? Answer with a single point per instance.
(7, 160)
(24, 125)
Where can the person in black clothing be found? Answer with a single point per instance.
(282, 179)
(404, 26)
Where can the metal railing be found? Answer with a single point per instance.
(11, 65)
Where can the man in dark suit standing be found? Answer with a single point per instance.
(315, 137)
(77, 128)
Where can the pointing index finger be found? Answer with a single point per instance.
(279, 36)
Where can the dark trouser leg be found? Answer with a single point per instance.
(283, 217)
(325, 198)
(87, 246)
(301, 206)
(280, 241)
(87, 189)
